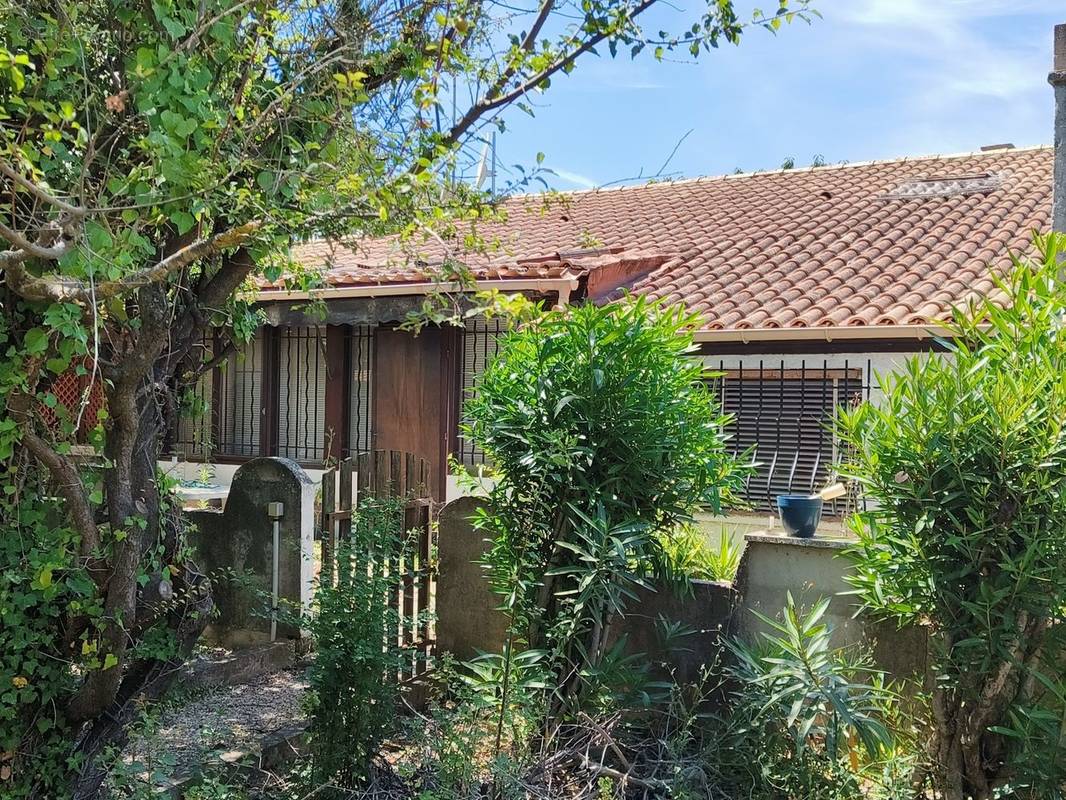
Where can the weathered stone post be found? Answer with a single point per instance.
(235, 548)
(467, 615)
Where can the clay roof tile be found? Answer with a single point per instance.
(764, 250)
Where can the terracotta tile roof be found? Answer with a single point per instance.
(874, 244)
(387, 262)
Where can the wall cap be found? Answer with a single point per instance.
(816, 542)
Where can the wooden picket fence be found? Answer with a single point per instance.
(389, 474)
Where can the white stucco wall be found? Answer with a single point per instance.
(220, 474)
(880, 364)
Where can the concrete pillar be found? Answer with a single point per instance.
(1057, 78)
(467, 617)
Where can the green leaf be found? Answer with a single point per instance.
(183, 221)
(35, 341)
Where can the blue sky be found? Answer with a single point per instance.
(872, 79)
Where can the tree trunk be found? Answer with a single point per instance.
(145, 680)
(108, 701)
(967, 757)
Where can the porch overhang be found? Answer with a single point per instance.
(368, 304)
(856, 333)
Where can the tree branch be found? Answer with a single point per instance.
(69, 484)
(495, 97)
(59, 289)
(41, 194)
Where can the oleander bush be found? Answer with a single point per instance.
(806, 717)
(605, 439)
(965, 464)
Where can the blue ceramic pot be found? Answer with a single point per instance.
(800, 514)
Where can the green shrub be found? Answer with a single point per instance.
(450, 754)
(354, 678)
(689, 554)
(805, 715)
(42, 578)
(965, 462)
(605, 438)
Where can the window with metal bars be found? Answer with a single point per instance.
(480, 345)
(192, 437)
(302, 393)
(784, 416)
(240, 402)
(361, 390)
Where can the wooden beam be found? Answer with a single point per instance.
(216, 393)
(817, 347)
(450, 389)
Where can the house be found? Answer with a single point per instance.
(808, 283)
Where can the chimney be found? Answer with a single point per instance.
(1057, 79)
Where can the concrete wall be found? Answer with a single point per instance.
(812, 569)
(704, 616)
(469, 622)
(772, 566)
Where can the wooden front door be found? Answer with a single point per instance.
(415, 397)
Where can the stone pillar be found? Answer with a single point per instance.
(235, 548)
(467, 615)
(1057, 78)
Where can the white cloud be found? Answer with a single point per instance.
(575, 178)
(959, 61)
(934, 16)
(949, 44)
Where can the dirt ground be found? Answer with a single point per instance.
(200, 728)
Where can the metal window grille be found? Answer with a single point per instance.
(240, 401)
(784, 415)
(481, 343)
(360, 411)
(302, 395)
(192, 437)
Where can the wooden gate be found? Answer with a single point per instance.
(389, 474)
